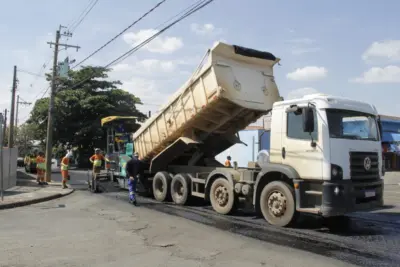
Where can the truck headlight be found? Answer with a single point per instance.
(336, 172)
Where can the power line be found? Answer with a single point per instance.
(84, 16)
(73, 21)
(119, 34)
(148, 40)
(31, 73)
(192, 9)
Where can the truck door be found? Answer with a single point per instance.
(297, 149)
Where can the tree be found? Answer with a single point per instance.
(81, 101)
(25, 136)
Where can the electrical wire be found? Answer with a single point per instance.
(192, 10)
(148, 40)
(73, 25)
(199, 6)
(73, 28)
(119, 34)
(31, 73)
(73, 21)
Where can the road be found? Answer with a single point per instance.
(371, 239)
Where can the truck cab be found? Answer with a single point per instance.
(329, 149)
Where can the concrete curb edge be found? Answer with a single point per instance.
(33, 201)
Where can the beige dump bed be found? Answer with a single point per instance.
(234, 87)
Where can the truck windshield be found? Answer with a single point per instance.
(348, 124)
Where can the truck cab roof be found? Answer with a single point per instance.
(323, 101)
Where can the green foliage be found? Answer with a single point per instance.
(24, 137)
(78, 109)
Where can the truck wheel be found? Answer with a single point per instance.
(161, 186)
(180, 188)
(277, 204)
(222, 196)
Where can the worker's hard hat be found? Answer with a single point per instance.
(136, 154)
(97, 150)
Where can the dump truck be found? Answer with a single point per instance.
(313, 166)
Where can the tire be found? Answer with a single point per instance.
(180, 189)
(162, 186)
(226, 203)
(277, 192)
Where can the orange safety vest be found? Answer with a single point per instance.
(64, 164)
(96, 160)
(40, 163)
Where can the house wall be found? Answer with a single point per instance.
(255, 139)
(9, 160)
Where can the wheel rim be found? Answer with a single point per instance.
(221, 195)
(159, 186)
(178, 189)
(277, 204)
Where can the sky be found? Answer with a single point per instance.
(343, 48)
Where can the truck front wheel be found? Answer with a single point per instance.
(277, 203)
(161, 186)
(222, 196)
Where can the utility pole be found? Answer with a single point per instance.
(16, 114)
(11, 128)
(49, 138)
(2, 123)
(5, 128)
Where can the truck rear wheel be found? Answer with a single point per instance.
(277, 203)
(180, 188)
(161, 186)
(222, 196)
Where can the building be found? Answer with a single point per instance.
(391, 141)
(254, 138)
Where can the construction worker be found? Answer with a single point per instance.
(41, 168)
(64, 169)
(96, 160)
(228, 161)
(132, 171)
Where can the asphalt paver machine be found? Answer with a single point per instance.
(119, 147)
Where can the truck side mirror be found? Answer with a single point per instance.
(308, 120)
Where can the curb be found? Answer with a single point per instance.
(33, 201)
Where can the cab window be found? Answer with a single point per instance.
(295, 126)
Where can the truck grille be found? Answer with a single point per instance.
(364, 166)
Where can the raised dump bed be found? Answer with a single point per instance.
(234, 87)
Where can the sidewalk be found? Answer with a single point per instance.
(27, 192)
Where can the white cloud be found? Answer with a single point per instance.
(389, 74)
(309, 73)
(301, 46)
(299, 51)
(298, 93)
(304, 41)
(162, 45)
(205, 29)
(150, 68)
(387, 50)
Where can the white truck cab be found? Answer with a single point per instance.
(330, 147)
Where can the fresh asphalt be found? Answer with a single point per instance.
(369, 239)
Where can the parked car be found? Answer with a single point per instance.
(20, 162)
